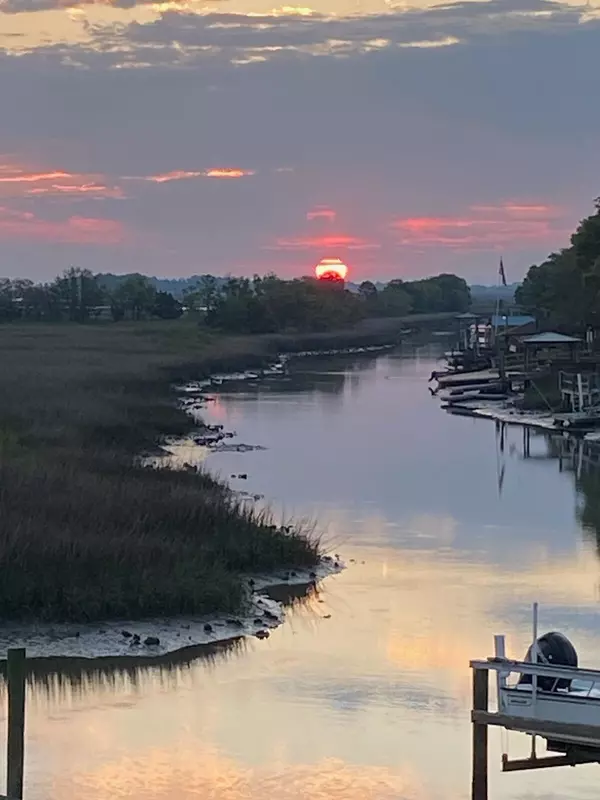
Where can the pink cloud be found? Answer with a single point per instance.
(73, 230)
(326, 242)
(506, 225)
(321, 212)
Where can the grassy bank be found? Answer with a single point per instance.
(84, 533)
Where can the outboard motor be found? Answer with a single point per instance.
(554, 649)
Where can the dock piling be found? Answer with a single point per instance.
(479, 785)
(15, 752)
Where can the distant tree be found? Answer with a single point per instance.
(78, 293)
(134, 298)
(166, 307)
(8, 306)
(203, 295)
(394, 300)
(368, 291)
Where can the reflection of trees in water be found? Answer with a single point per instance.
(582, 459)
(58, 679)
(328, 375)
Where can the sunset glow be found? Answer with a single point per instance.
(328, 267)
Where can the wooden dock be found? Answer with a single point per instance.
(576, 743)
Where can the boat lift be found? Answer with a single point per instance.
(556, 702)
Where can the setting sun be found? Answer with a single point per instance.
(331, 268)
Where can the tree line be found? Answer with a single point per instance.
(78, 296)
(269, 304)
(565, 289)
(262, 304)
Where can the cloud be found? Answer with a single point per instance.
(81, 191)
(185, 37)
(326, 242)
(32, 6)
(182, 175)
(19, 181)
(506, 225)
(24, 225)
(447, 41)
(321, 212)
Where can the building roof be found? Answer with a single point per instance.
(550, 338)
(511, 320)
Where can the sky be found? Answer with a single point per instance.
(239, 136)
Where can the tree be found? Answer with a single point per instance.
(565, 289)
(8, 307)
(203, 295)
(394, 300)
(78, 293)
(134, 297)
(166, 307)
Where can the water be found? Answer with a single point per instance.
(364, 693)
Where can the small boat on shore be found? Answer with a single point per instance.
(454, 379)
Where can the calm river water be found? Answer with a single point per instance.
(364, 693)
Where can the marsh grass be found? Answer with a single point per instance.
(85, 532)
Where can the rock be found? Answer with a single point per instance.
(336, 564)
(258, 621)
(126, 634)
(294, 574)
(269, 615)
(326, 616)
(313, 576)
(136, 638)
(151, 641)
(251, 582)
(236, 623)
(208, 628)
(262, 634)
(243, 476)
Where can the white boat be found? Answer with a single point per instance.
(547, 694)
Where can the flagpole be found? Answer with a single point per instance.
(497, 314)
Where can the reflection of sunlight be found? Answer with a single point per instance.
(164, 775)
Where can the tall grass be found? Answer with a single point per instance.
(85, 533)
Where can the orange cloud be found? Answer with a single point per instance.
(20, 176)
(97, 190)
(485, 226)
(215, 172)
(321, 212)
(16, 181)
(73, 230)
(228, 173)
(324, 242)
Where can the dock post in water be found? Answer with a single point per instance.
(479, 785)
(15, 751)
